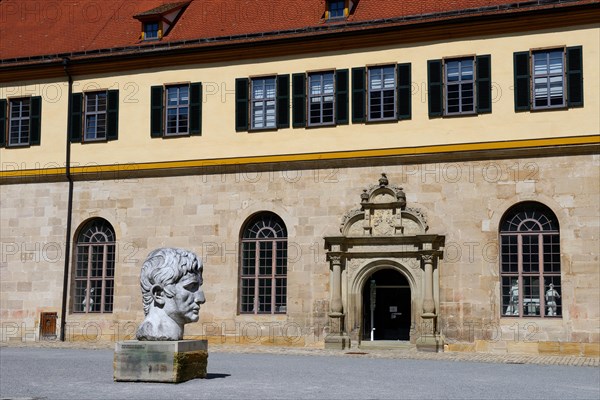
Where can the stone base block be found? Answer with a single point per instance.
(591, 349)
(466, 347)
(337, 342)
(434, 343)
(160, 361)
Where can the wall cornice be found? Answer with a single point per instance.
(427, 154)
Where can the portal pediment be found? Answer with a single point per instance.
(383, 212)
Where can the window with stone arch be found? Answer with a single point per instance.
(530, 262)
(94, 272)
(263, 269)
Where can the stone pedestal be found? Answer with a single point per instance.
(160, 361)
(337, 339)
(433, 343)
(337, 342)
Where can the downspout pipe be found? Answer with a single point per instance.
(63, 312)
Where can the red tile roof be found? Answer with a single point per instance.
(162, 10)
(30, 28)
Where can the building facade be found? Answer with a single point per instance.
(347, 172)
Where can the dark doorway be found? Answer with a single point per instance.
(391, 315)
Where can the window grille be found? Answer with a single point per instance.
(263, 273)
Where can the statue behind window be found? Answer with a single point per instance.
(513, 302)
(551, 297)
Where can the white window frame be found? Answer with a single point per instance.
(264, 104)
(146, 24)
(547, 75)
(460, 84)
(330, 4)
(324, 98)
(19, 126)
(381, 70)
(179, 107)
(97, 113)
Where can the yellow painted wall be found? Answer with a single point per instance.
(220, 140)
(51, 152)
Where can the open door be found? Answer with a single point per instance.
(386, 306)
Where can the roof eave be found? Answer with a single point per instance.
(566, 15)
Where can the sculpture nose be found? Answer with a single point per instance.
(199, 297)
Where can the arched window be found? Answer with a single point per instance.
(95, 268)
(530, 262)
(263, 272)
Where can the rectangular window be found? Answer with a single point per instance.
(151, 30)
(460, 86)
(19, 120)
(548, 79)
(321, 99)
(95, 116)
(336, 9)
(382, 93)
(177, 110)
(263, 100)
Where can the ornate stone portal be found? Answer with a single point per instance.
(171, 283)
(384, 234)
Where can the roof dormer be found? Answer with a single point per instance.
(158, 22)
(339, 10)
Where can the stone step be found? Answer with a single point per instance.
(386, 344)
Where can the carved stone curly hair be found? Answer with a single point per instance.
(164, 267)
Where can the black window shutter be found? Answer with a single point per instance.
(76, 117)
(484, 84)
(283, 101)
(35, 120)
(112, 115)
(196, 109)
(359, 95)
(298, 100)
(435, 82)
(341, 97)
(575, 76)
(521, 67)
(241, 104)
(404, 91)
(156, 111)
(3, 104)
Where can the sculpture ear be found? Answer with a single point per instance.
(158, 294)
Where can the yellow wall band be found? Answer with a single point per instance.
(450, 148)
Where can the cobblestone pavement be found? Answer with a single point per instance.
(410, 353)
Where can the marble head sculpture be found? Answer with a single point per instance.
(171, 281)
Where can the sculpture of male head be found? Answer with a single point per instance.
(171, 281)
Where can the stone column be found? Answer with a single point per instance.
(336, 339)
(336, 298)
(428, 302)
(429, 340)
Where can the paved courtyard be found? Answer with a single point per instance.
(76, 373)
